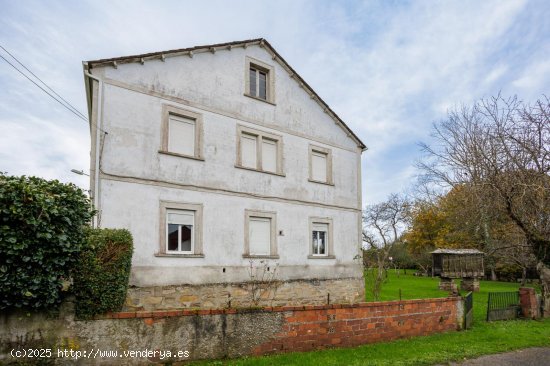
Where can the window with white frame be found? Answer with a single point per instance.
(180, 229)
(181, 133)
(320, 165)
(259, 150)
(321, 238)
(260, 234)
(259, 80)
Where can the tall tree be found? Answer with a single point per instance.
(456, 220)
(383, 224)
(500, 148)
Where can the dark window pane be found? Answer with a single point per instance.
(315, 242)
(263, 85)
(173, 237)
(252, 82)
(322, 242)
(186, 238)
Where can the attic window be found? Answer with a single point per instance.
(258, 83)
(259, 80)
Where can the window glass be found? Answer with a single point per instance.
(259, 234)
(262, 85)
(320, 236)
(186, 238)
(252, 77)
(181, 135)
(173, 237)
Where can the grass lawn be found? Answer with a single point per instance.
(483, 338)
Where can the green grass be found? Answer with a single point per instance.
(411, 287)
(483, 338)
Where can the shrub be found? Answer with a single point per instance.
(41, 234)
(101, 279)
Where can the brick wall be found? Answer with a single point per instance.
(230, 333)
(319, 327)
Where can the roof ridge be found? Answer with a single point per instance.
(176, 50)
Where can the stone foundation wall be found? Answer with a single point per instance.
(237, 295)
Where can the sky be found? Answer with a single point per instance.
(389, 69)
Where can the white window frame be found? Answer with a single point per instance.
(179, 250)
(252, 63)
(260, 137)
(272, 216)
(170, 110)
(196, 242)
(314, 149)
(329, 245)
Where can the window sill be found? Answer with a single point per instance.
(180, 155)
(319, 182)
(321, 257)
(179, 255)
(259, 171)
(260, 99)
(260, 256)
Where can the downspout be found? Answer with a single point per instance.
(97, 142)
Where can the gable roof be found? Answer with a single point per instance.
(228, 45)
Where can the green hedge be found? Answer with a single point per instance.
(101, 279)
(42, 227)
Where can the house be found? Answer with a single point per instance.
(215, 156)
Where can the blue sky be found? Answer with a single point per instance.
(388, 68)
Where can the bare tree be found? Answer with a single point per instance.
(383, 224)
(500, 148)
(262, 284)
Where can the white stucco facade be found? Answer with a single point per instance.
(135, 177)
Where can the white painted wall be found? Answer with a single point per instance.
(213, 86)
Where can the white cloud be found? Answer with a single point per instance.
(534, 77)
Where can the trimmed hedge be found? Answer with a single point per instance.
(101, 278)
(42, 227)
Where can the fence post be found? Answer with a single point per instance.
(528, 302)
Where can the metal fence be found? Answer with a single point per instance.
(468, 310)
(503, 306)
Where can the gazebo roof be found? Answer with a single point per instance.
(457, 251)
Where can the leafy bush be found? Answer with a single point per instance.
(41, 234)
(101, 279)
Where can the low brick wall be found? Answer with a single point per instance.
(322, 327)
(229, 332)
(222, 295)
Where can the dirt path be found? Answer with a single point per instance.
(526, 357)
